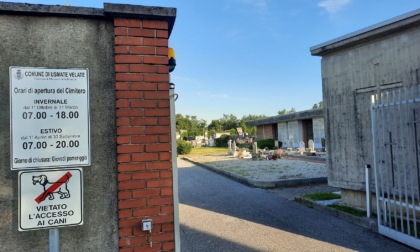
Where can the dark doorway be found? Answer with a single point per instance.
(274, 130)
(308, 131)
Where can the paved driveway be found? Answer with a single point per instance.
(218, 214)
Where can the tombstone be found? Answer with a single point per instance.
(254, 148)
(311, 145)
(234, 147)
(211, 142)
(301, 146)
(230, 147)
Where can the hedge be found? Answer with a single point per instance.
(269, 143)
(183, 147)
(222, 141)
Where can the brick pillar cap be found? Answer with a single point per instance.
(142, 12)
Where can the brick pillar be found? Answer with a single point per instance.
(143, 134)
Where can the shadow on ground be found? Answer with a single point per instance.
(205, 242)
(203, 189)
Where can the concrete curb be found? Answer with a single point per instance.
(258, 183)
(365, 222)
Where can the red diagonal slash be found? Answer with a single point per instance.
(53, 187)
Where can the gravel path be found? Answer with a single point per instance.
(264, 170)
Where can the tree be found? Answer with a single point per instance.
(282, 112)
(197, 126)
(182, 123)
(191, 124)
(232, 132)
(215, 125)
(318, 105)
(229, 121)
(250, 130)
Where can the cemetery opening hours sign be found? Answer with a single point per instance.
(49, 118)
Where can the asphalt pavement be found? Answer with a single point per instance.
(220, 214)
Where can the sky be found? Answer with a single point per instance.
(252, 57)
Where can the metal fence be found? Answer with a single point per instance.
(395, 131)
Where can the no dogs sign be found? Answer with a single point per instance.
(50, 198)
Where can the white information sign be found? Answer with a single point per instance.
(50, 198)
(49, 118)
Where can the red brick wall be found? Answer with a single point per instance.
(260, 132)
(143, 134)
(266, 132)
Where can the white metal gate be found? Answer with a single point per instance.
(396, 135)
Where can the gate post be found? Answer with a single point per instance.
(368, 173)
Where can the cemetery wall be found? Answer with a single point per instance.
(299, 133)
(289, 128)
(354, 67)
(319, 132)
(130, 176)
(283, 133)
(294, 133)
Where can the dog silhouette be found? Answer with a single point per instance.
(63, 191)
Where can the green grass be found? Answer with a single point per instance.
(349, 210)
(329, 196)
(402, 227)
(322, 196)
(202, 151)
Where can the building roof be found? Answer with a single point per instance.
(384, 28)
(302, 115)
(109, 10)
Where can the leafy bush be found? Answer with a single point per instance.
(222, 141)
(269, 143)
(184, 135)
(232, 132)
(183, 147)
